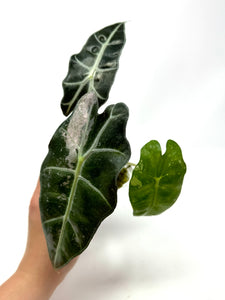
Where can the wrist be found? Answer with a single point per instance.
(41, 280)
(22, 285)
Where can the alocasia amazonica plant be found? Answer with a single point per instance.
(89, 155)
(78, 176)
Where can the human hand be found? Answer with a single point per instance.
(35, 277)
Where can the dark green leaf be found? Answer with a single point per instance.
(94, 68)
(78, 176)
(157, 179)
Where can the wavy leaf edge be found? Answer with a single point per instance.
(148, 181)
(113, 116)
(92, 75)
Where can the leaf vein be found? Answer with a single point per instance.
(75, 230)
(95, 189)
(52, 220)
(108, 150)
(65, 170)
(81, 63)
(96, 140)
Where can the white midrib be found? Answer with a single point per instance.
(99, 57)
(69, 206)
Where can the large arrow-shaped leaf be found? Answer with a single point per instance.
(78, 176)
(157, 179)
(94, 68)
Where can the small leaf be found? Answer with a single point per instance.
(157, 179)
(78, 176)
(95, 67)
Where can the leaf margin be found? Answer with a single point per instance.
(158, 165)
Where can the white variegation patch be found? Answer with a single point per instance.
(78, 127)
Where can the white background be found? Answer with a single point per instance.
(172, 77)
